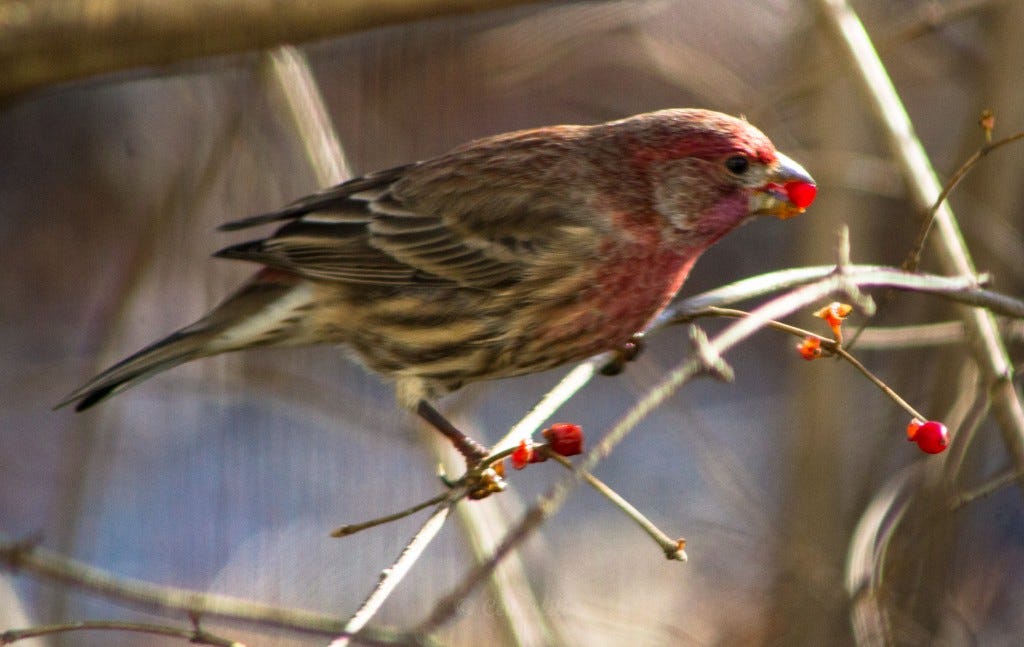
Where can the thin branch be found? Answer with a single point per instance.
(196, 636)
(839, 350)
(566, 388)
(673, 548)
(392, 576)
(832, 346)
(986, 489)
(913, 336)
(989, 350)
(353, 528)
(914, 257)
(448, 606)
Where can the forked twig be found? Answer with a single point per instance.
(989, 350)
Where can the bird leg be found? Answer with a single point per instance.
(624, 354)
(480, 483)
(473, 451)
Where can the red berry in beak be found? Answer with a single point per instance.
(801, 194)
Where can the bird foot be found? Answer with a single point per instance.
(624, 354)
(480, 480)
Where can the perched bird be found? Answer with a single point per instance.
(508, 255)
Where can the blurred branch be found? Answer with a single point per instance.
(932, 16)
(49, 41)
(923, 182)
(915, 336)
(167, 600)
(291, 77)
(987, 488)
(865, 555)
(195, 636)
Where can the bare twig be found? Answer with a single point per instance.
(566, 388)
(925, 188)
(353, 528)
(392, 576)
(839, 350)
(674, 548)
(832, 346)
(914, 257)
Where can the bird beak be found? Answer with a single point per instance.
(789, 190)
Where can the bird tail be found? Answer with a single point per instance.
(266, 311)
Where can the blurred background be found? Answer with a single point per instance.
(790, 484)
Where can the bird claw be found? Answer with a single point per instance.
(485, 483)
(623, 355)
(479, 483)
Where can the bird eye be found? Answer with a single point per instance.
(737, 164)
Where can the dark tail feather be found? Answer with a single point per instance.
(266, 311)
(175, 349)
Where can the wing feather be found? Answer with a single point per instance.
(468, 219)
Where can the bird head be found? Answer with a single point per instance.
(711, 171)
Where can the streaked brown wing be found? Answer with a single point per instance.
(463, 230)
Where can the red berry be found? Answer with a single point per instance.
(801, 194)
(565, 439)
(932, 437)
(521, 455)
(809, 348)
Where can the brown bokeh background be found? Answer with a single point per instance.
(226, 475)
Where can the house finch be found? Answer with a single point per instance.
(508, 255)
